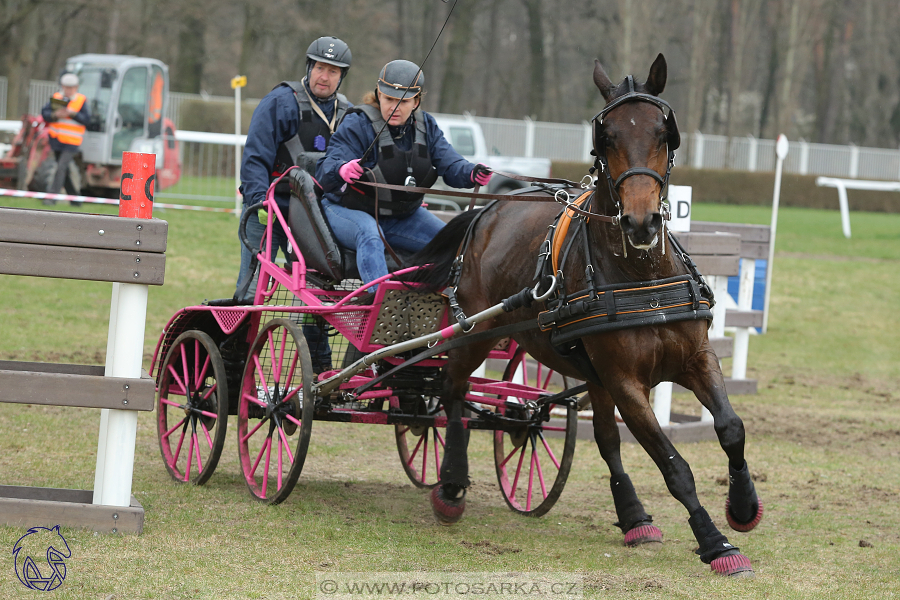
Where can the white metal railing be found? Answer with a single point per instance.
(208, 158)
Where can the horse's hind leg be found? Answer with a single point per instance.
(633, 520)
(448, 500)
(743, 509)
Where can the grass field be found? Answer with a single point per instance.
(823, 445)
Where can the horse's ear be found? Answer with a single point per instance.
(656, 81)
(601, 80)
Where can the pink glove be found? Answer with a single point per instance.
(350, 171)
(481, 174)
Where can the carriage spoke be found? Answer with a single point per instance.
(196, 444)
(205, 430)
(251, 432)
(180, 441)
(437, 460)
(512, 492)
(190, 455)
(281, 445)
(530, 479)
(424, 471)
(549, 450)
(267, 465)
(259, 456)
(412, 456)
(287, 445)
(174, 427)
(183, 390)
(540, 472)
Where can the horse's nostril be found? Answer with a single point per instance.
(653, 222)
(629, 224)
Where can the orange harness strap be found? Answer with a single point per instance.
(562, 228)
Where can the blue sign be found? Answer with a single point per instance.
(40, 558)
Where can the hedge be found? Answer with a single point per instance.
(744, 187)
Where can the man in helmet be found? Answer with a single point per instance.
(67, 116)
(291, 126)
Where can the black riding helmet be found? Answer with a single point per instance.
(401, 79)
(331, 50)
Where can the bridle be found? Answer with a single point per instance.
(673, 141)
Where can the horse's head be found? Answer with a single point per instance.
(634, 140)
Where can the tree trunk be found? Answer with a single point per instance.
(537, 80)
(187, 75)
(455, 73)
(24, 39)
(698, 79)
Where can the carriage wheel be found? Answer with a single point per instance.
(533, 462)
(421, 447)
(275, 411)
(192, 407)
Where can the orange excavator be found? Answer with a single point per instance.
(127, 97)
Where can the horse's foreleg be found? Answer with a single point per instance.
(715, 550)
(633, 520)
(743, 509)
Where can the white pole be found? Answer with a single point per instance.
(115, 453)
(742, 334)
(529, 137)
(781, 150)
(697, 158)
(237, 83)
(662, 402)
(845, 207)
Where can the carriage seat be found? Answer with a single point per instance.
(314, 237)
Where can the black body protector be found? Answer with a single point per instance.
(394, 166)
(303, 150)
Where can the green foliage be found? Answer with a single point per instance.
(822, 445)
(213, 116)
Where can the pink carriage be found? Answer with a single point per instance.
(252, 362)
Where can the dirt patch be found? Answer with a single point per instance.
(489, 548)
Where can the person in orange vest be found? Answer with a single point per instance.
(67, 116)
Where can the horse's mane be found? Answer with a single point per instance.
(440, 254)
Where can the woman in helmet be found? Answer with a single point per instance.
(389, 140)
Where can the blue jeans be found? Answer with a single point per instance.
(316, 334)
(357, 230)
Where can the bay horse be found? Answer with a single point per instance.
(634, 140)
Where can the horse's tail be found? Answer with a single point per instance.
(440, 254)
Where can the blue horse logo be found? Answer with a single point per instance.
(46, 544)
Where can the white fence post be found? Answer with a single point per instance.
(697, 153)
(804, 157)
(662, 402)
(741, 346)
(588, 141)
(751, 158)
(854, 162)
(529, 137)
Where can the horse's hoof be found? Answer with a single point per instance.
(743, 527)
(735, 565)
(446, 511)
(643, 534)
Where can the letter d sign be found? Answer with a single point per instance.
(680, 205)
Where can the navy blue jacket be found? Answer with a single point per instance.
(275, 120)
(355, 135)
(83, 116)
